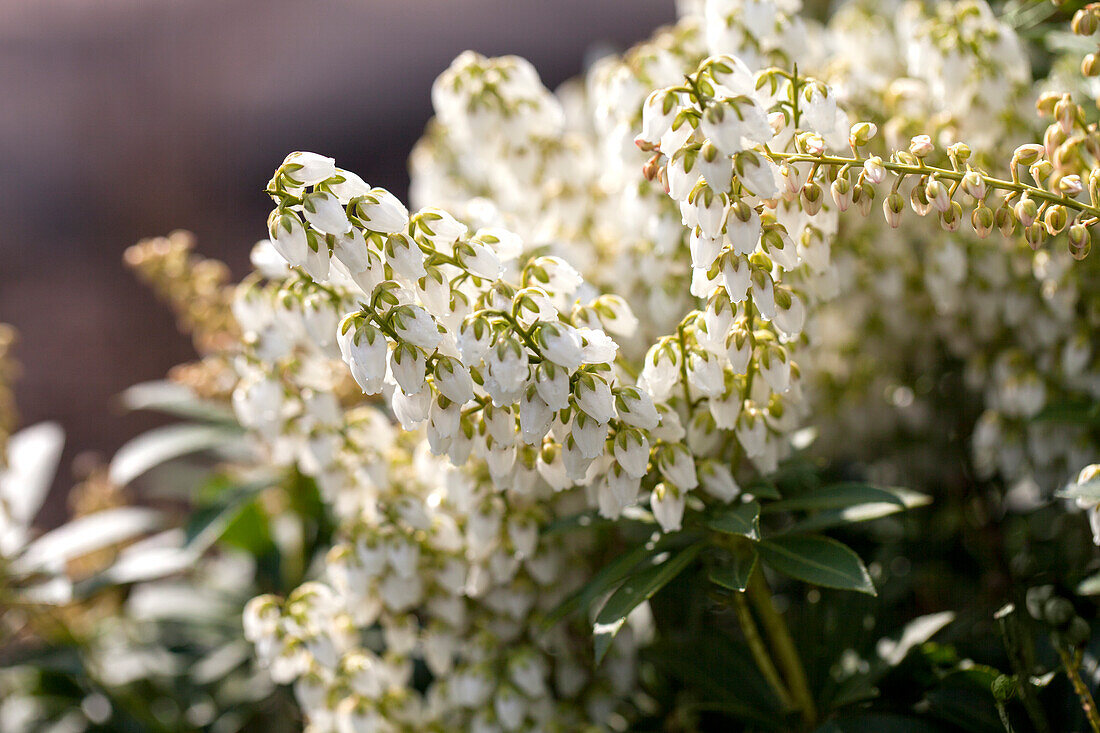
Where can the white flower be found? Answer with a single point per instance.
(414, 324)
(631, 449)
(407, 366)
(288, 236)
(589, 434)
(552, 383)
(535, 416)
(479, 259)
(308, 169)
(705, 374)
(718, 481)
(475, 338)
(508, 370)
(735, 123)
(561, 345)
(439, 227)
(667, 503)
(616, 315)
(658, 112)
(411, 409)
(347, 186)
(661, 372)
(704, 249)
(635, 407)
(775, 367)
(593, 396)
(324, 213)
(382, 212)
(404, 256)
(736, 276)
(742, 228)
(752, 433)
(453, 380)
(790, 318)
(364, 349)
(677, 466)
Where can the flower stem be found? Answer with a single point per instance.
(1071, 662)
(761, 596)
(759, 650)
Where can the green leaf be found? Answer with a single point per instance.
(210, 522)
(743, 520)
(817, 560)
(161, 445)
(860, 512)
(735, 574)
(591, 519)
(838, 496)
(176, 399)
(637, 589)
(602, 582)
(1081, 412)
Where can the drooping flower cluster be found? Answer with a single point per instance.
(699, 178)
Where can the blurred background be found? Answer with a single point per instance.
(124, 119)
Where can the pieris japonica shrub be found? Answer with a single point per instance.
(639, 349)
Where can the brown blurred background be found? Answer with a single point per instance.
(121, 119)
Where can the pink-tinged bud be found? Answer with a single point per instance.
(974, 184)
(937, 195)
(866, 199)
(812, 198)
(951, 219)
(1070, 185)
(777, 121)
(812, 143)
(842, 192)
(1055, 219)
(862, 133)
(1065, 111)
(1034, 234)
(918, 199)
(874, 170)
(652, 167)
(1089, 65)
(1005, 221)
(982, 220)
(1027, 154)
(1079, 241)
(1044, 105)
(1026, 211)
(891, 208)
(921, 146)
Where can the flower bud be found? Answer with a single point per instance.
(1044, 105)
(918, 199)
(891, 207)
(1055, 219)
(982, 219)
(951, 219)
(1070, 185)
(959, 152)
(812, 198)
(921, 146)
(862, 133)
(841, 189)
(1004, 220)
(1084, 22)
(1027, 154)
(866, 198)
(1065, 111)
(974, 184)
(938, 195)
(1089, 65)
(874, 170)
(1025, 211)
(1079, 241)
(1034, 234)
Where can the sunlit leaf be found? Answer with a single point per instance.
(818, 561)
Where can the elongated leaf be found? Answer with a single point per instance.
(591, 520)
(635, 590)
(33, 455)
(86, 534)
(735, 574)
(860, 512)
(818, 561)
(602, 582)
(838, 496)
(1081, 412)
(743, 520)
(173, 398)
(160, 445)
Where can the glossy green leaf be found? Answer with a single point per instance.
(818, 561)
(838, 496)
(860, 512)
(734, 574)
(743, 520)
(636, 589)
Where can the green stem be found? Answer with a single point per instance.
(947, 173)
(1071, 664)
(761, 596)
(759, 650)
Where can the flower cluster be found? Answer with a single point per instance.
(626, 297)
